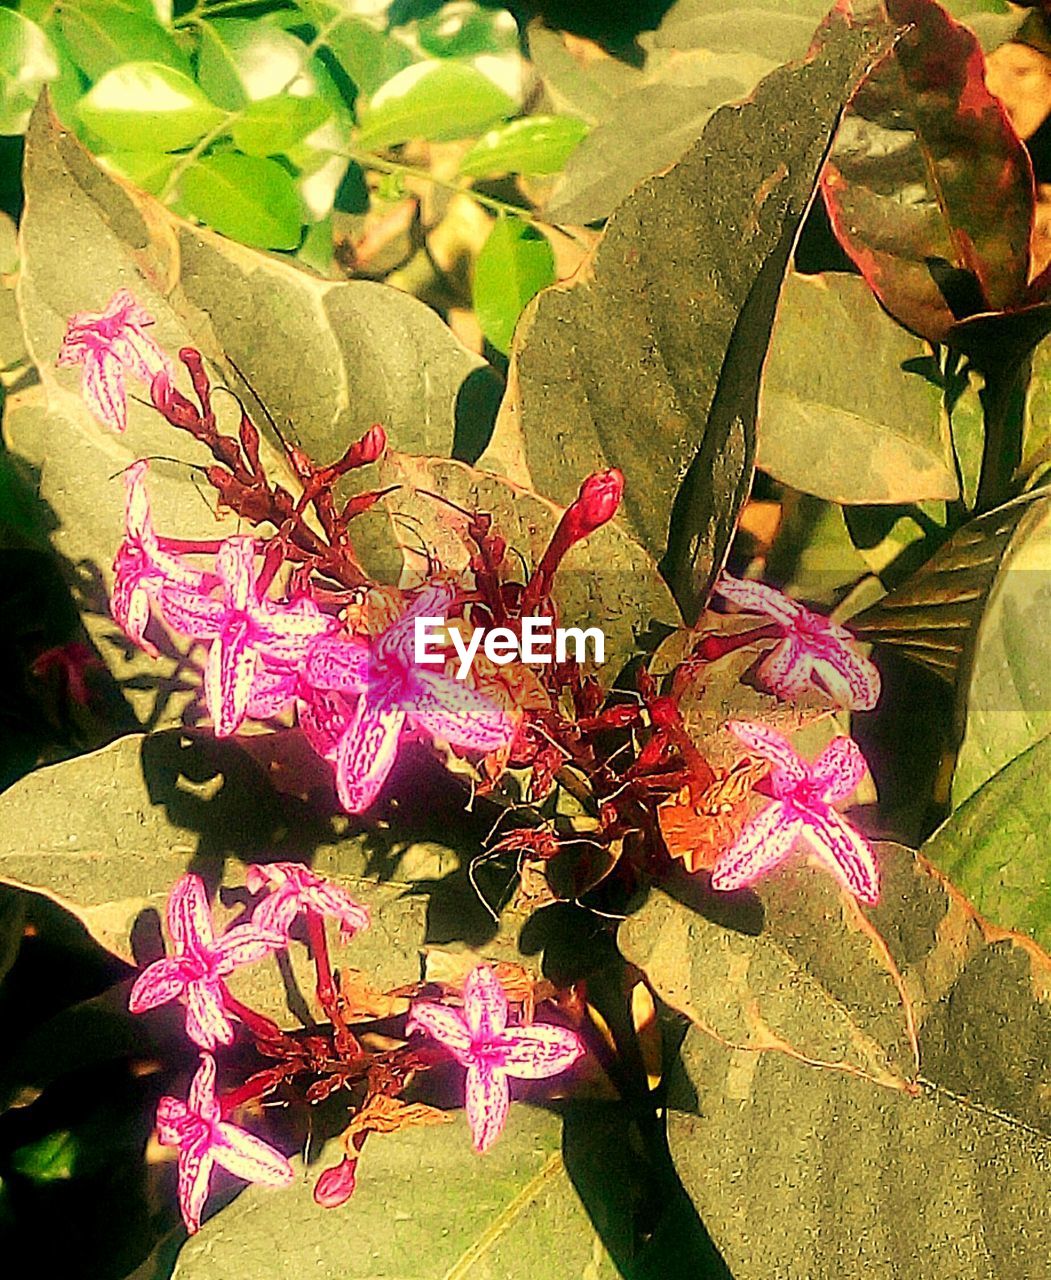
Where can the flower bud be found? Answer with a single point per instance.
(597, 502)
(336, 1185)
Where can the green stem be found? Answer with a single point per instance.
(1003, 400)
(202, 10)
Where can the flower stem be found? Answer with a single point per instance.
(328, 996)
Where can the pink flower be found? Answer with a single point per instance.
(336, 1185)
(200, 963)
(295, 888)
(245, 630)
(204, 1140)
(108, 344)
(381, 688)
(813, 652)
(802, 806)
(141, 568)
(480, 1039)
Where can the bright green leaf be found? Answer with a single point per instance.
(146, 169)
(433, 100)
(533, 145)
(244, 197)
(102, 34)
(466, 30)
(515, 263)
(27, 63)
(994, 847)
(144, 106)
(270, 126)
(242, 60)
(367, 52)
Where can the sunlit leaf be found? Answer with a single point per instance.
(27, 63)
(145, 106)
(269, 126)
(515, 263)
(101, 34)
(435, 101)
(531, 145)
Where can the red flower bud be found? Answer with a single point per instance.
(597, 502)
(336, 1185)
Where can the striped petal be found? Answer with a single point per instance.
(158, 983)
(102, 388)
(249, 1157)
(838, 770)
(538, 1051)
(272, 692)
(851, 680)
(367, 752)
(484, 1003)
(764, 842)
(766, 742)
(191, 612)
(229, 676)
(324, 718)
(206, 1022)
(235, 564)
(286, 632)
(443, 1024)
(845, 852)
(487, 1099)
(757, 597)
(201, 1098)
(461, 716)
(786, 670)
(189, 916)
(398, 642)
(338, 662)
(195, 1174)
(244, 944)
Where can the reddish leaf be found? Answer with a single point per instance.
(928, 187)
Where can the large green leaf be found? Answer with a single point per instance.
(241, 61)
(27, 63)
(101, 34)
(530, 145)
(995, 845)
(331, 359)
(246, 197)
(513, 265)
(829, 426)
(954, 1169)
(367, 52)
(146, 106)
(928, 186)
(425, 1208)
(651, 360)
(1006, 700)
(433, 100)
(270, 126)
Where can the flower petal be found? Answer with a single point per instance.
(839, 768)
(206, 1020)
(272, 692)
(484, 1003)
(367, 752)
(229, 677)
(158, 983)
(786, 670)
(189, 916)
(759, 598)
(845, 852)
(764, 842)
(191, 612)
(851, 680)
(235, 564)
(173, 1121)
(451, 710)
(249, 1157)
(769, 744)
(338, 662)
(102, 388)
(244, 944)
(538, 1051)
(443, 1024)
(397, 643)
(201, 1099)
(487, 1099)
(195, 1173)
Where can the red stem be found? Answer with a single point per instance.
(328, 997)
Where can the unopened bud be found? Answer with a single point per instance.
(336, 1185)
(597, 502)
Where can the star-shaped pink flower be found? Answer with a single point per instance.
(204, 1140)
(246, 630)
(382, 688)
(814, 651)
(295, 888)
(802, 807)
(141, 569)
(200, 964)
(110, 344)
(480, 1039)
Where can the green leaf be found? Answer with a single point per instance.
(146, 169)
(652, 363)
(242, 60)
(144, 106)
(244, 197)
(367, 52)
(436, 101)
(829, 427)
(332, 358)
(533, 145)
(514, 264)
(994, 845)
(27, 63)
(50, 1159)
(102, 34)
(270, 126)
(928, 187)
(1006, 700)
(466, 30)
(425, 1208)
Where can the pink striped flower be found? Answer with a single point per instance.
(141, 569)
(480, 1040)
(294, 889)
(196, 971)
(246, 631)
(814, 651)
(110, 344)
(204, 1140)
(380, 690)
(802, 808)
